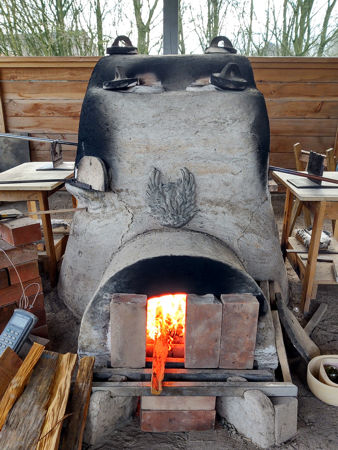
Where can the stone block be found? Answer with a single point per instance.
(202, 332)
(162, 421)
(20, 231)
(27, 271)
(105, 414)
(239, 329)
(286, 409)
(252, 415)
(18, 255)
(128, 316)
(185, 403)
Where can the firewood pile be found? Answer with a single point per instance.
(40, 407)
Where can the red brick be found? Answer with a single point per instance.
(20, 231)
(202, 332)
(239, 329)
(6, 313)
(38, 309)
(4, 279)
(18, 255)
(128, 316)
(27, 271)
(13, 293)
(162, 421)
(41, 331)
(181, 402)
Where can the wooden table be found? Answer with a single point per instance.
(323, 203)
(33, 192)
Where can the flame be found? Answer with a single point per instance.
(166, 312)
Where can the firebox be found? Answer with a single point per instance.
(172, 170)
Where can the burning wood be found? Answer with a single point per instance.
(165, 327)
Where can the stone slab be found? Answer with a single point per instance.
(163, 421)
(128, 317)
(252, 415)
(286, 409)
(20, 231)
(239, 329)
(202, 332)
(185, 403)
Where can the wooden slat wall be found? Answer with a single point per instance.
(43, 96)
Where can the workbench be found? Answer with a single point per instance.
(36, 192)
(323, 203)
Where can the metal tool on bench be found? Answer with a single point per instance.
(57, 162)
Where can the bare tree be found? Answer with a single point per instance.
(144, 26)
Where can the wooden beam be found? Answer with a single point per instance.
(23, 425)
(50, 432)
(299, 338)
(315, 319)
(283, 360)
(185, 374)
(208, 388)
(72, 439)
(19, 381)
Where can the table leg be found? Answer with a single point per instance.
(310, 270)
(32, 207)
(287, 220)
(48, 236)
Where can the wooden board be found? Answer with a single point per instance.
(19, 381)
(186, 374)
(9, 365)
(24, 422)
(208, 388)
(27, 171)
(78, 407)
(51, 429)
(316, 318)
(283, 360)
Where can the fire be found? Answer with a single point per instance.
(166, 312)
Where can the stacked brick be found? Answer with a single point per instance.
(18, 239)
(218, 334)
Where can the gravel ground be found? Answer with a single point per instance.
(317, 422)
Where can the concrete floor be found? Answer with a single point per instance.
(317, 422)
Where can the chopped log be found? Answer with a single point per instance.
(51, 430)
(23, 425)
(72, 440)
(161, 348)
(9, 365)
(19, 381)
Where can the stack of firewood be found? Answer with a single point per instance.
(35, 400)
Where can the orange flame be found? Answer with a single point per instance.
(166, 312)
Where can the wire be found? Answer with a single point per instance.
(23, 302)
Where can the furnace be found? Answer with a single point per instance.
(179, 147)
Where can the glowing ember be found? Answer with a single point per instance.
(166, 312)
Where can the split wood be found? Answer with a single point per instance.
(160, 353)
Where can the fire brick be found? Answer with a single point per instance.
(128, 316)
(161, 421)
(202, 332)
(13, 293)
(239, 329)
(26, 271)
(18, 255)
(20, 231)
(176, 403)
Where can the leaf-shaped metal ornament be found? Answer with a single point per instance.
(173, 204)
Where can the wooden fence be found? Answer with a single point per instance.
(43, 96)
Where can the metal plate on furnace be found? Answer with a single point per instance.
(13, 152)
